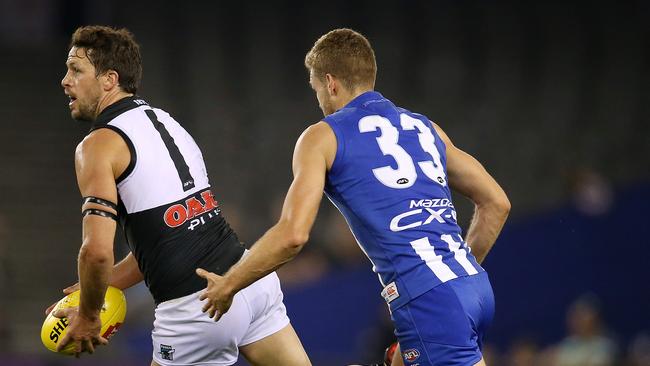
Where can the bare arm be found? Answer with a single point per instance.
(95, 178)
(468, 177)
(126, 273)
(100, 158)
(313, 155)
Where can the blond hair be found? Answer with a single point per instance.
(345, 54)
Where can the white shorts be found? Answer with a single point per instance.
(184, 335)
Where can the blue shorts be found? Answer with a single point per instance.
(445, 325)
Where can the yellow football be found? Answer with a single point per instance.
(112, 316)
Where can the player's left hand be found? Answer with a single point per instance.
(218, 296)
(66, 291)
(81, 331)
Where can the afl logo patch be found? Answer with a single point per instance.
(411, 355)
(390, 292)
(402, 181)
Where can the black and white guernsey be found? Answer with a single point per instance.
(172, 221)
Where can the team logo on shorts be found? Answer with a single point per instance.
(167, 352)
(411, 355)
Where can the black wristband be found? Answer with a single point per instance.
(94, 211)
(100, 201)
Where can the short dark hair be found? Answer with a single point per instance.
(346, 54)
(111, 49)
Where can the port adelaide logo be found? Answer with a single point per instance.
(167, 352)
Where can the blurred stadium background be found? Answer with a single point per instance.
(553, 98)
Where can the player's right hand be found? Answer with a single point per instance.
(82, 332)
(218, 295)
(66, 291)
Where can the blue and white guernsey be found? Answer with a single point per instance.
(389, 181)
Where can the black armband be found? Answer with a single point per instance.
(98, 212)
(99, 201)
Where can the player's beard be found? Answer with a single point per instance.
(86, 111)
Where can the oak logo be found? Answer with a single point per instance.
(179, 213)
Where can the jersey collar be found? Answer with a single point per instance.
(125, 104)
(365, 99)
